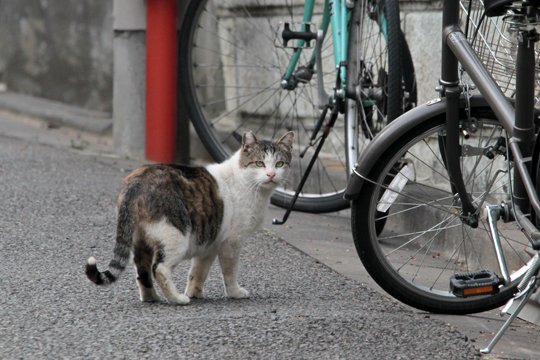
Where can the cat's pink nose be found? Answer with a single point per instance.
(271, 174)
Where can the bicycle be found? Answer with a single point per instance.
(460, 173)
(265, 65)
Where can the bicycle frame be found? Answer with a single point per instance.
(345, 97)
(521, 152)
(518, 122)
(336, 13)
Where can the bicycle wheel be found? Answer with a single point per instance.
(423, 241)
(380, 72)
(231, 70)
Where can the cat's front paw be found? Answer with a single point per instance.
(179, 299)
(196, 293)
(238, 293)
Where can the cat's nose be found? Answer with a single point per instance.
(270, 174)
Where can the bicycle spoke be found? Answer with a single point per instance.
(235, 71)
(417, 235)
(428, 239)
(452, 209)
(249, 98)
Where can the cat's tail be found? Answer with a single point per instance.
(122, 248)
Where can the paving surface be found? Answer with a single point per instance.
(327, 238)
(57, 208)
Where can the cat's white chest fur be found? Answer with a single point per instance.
(244, 204)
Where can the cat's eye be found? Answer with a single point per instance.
(280, 164)
(259, 163)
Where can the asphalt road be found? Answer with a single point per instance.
(57, 208)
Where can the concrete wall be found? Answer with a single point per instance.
(421, 21)
(63, 50)
(58, 49)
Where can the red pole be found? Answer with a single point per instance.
(161, 80)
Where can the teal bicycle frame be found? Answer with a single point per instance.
(337, 14)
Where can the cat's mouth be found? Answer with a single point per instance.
(270, 182)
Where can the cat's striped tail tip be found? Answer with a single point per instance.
(92, 271)
(91, 261)
(97, 277)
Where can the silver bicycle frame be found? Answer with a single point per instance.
(518, 121)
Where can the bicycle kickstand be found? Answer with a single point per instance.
(322, 139)
(526, 288)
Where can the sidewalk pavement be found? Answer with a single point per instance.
(328, 238)
(57, 208)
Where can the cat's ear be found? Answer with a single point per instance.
(287, 139)
(248, 140)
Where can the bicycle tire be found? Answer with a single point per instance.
(380, 70)
(423, 241)
(207, 33)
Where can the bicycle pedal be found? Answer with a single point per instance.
(289, 32)
(483, 282)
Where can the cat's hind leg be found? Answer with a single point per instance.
(164, 280)
(228, 259)
(200, 266)
(143, 258)
(172, 248)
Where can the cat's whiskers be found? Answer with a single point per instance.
(284, 182)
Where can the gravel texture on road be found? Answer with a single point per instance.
(57, 209)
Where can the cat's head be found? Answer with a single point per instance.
(266, 163)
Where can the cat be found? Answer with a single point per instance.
(168, 213)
